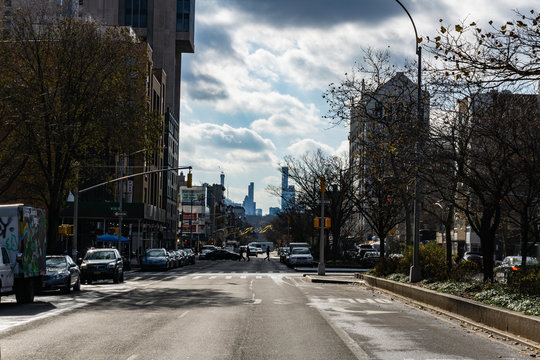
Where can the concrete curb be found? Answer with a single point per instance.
(523, 326)
(331, 280)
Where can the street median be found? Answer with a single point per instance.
(524, 326)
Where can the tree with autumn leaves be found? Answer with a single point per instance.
(480, 160)
(489, 125)
(72, 91)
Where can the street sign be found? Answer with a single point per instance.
(114, 208)
(120, 213)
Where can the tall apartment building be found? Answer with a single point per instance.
(396, 102)
(168, 27)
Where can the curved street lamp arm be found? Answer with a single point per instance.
(133, 175)
(412, 21)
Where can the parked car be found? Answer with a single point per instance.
(370, 259)
(205, 252)
(253, 251)
(222, 254)
(190, 256)
(475, 257)
(510, 265)
(300, 256)
(284, 252)
(363, 249)
(62, 273)
(100, 264)
(157, 259)
(183, 257)
(174, 259)
(255, 248)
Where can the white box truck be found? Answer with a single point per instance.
(23, 244)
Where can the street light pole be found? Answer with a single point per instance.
(415, 274)
(191, 223)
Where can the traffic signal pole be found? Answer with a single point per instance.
(321, 269)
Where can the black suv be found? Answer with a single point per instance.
(102, 264)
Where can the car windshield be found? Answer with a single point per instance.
(55, 262)
(155, 253)
(99, 255)
(299, 251)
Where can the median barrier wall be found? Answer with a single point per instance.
(524, 326)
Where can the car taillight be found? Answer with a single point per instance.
(514, 268)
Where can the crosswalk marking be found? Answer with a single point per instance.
(228, 277)
(243, 277)
(197, 277)
(212, 277)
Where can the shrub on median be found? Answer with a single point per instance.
(526, 280)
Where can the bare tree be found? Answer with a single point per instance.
(380, 105)
(76, 88)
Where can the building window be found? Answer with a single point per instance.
(136, 13)
(182, 15)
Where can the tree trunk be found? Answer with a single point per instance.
(448, 236)
(524, 229)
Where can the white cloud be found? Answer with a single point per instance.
(308, 145)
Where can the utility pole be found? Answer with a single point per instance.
(321, 269)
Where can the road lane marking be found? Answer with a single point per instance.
(228, 277)
(184, 314)
(197, 277)
(367, 312)
(212, 277)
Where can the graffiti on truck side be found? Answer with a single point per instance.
(8, 235)
(33, 244)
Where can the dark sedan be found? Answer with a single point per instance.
(62, 273)
(190, 256)
(221, 254)
(155, 259)
(100, 264)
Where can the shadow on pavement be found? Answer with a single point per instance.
(170, 298)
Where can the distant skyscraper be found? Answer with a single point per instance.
(287, 191)
(249, 203)
(222, 177)
(274, 210)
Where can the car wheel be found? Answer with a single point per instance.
(116, 278)
(122, 276)
(77, 286)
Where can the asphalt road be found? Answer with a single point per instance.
(235, 310)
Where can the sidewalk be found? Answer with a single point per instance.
(350, 271)
(334, 278)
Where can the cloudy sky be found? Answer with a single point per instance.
(252, 92)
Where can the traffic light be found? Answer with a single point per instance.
(326, 223)
(189, 180)
(65, 229)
